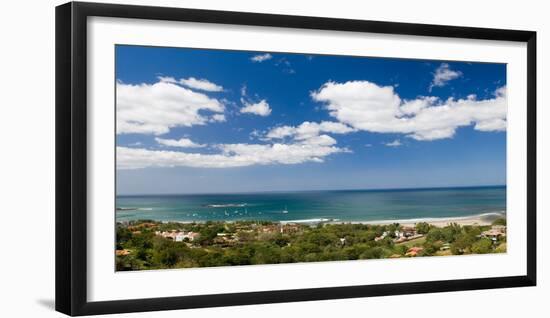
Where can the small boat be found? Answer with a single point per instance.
(285, 210)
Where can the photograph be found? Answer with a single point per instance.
(232, 158)
(264, 159)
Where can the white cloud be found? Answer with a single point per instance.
(308, 130)
(200, 84)
(255, 134)
(232, 155)
(443, 74)
(366, 106)
(155, 108)
(261, 57)
(191, 82)
(395, 143)
(281, 132)
(183, 143)
(167, 79)
(496, 124)
(218, 118)
(286, 66)
(260, 108)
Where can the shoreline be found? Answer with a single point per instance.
(478, 219)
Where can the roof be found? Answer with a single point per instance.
(415, 249)
(122, 252)
(492, 232)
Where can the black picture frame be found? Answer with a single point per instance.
(71, 157)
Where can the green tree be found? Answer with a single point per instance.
(372, 253)
(435, 234)
(281, 240)
(423, 227)
(461, 243)
(122, 234)
(482, 246)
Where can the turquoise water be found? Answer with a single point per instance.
(348, 205)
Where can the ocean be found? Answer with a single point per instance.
(311, 206)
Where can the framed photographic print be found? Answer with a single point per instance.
(209, 158)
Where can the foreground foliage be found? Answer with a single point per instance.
(140, 246)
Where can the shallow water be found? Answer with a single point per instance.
(347, 205)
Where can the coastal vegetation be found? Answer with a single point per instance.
(146, 244)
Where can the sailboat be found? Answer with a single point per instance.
(285, 210)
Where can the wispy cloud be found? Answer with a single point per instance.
(308, 130)
(442, 75)
(201, 84)
(182, 143)
(395, 143)
(286, 66)
(261, 57)
(194, 83)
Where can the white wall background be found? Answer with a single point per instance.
(27, 157)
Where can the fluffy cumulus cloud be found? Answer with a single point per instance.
(261, 57)
(183, 143)
(308, 130)
(155, 108)
(443, 74)
(232, 155)
(366, 106)
(260, 108)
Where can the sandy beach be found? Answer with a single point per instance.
(481, 219)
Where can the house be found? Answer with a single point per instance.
(290, 228)
(178, 236)
(495, 232)
(408, 231)
(414, 251)
(273, 228)
(381, 237)
(193, 236)
(122, 252)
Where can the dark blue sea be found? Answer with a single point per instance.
(339, 205)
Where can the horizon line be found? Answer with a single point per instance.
(319, 190)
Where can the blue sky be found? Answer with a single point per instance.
(207, 121)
